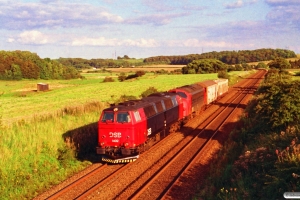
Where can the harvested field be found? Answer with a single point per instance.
(148, 68)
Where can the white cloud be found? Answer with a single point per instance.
(20, 16)
(141, 43)
(10, 40)
(237, 4)
(30, 37)
(102, 41)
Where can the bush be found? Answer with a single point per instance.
(162, 71)
(140, 73)
(123, 98)
(276, 106)
(223, 74)
(149, 91)
(122, 78)
(131, 76)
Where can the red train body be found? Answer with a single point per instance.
(127, 129)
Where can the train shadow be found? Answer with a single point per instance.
(84, 141)
(233, 105)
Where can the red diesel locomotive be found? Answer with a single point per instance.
(129, 128)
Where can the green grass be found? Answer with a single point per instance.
(34, 156)
(20, 101)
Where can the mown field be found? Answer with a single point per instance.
(46, 136)
(21, 101)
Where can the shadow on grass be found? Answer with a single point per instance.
(84, 141)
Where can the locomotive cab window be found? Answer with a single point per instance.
(123, 117)
(137, 116)
(108, 117)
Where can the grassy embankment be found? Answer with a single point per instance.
(48, 136)
(258, 162)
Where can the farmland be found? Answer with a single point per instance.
(21, 101)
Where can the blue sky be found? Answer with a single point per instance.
(144, 28)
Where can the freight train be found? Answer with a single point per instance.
(131, 127)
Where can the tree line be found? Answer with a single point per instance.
(227, 57)
(81, 63)
(204, 66)
(17, 65)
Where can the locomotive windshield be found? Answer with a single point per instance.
(182, 94)
(108, 116)
(123, 117)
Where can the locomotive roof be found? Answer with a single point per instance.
(162, 94)
(189, 88)
(137, 104)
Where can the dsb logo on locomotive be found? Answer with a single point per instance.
(115, 134)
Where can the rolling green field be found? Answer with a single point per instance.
(47, 136)
(19, 99)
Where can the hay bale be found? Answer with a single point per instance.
(42, 87)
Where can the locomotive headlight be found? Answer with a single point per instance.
(103, 136)
(126, 144)
(102, 144)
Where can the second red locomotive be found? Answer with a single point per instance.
(129, 128)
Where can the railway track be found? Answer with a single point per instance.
(85, 182)
(166, 168)
(168, 177)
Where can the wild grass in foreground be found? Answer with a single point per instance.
(42, 153)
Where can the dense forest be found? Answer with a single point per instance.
(17, 65)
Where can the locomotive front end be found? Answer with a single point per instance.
(117, 138)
